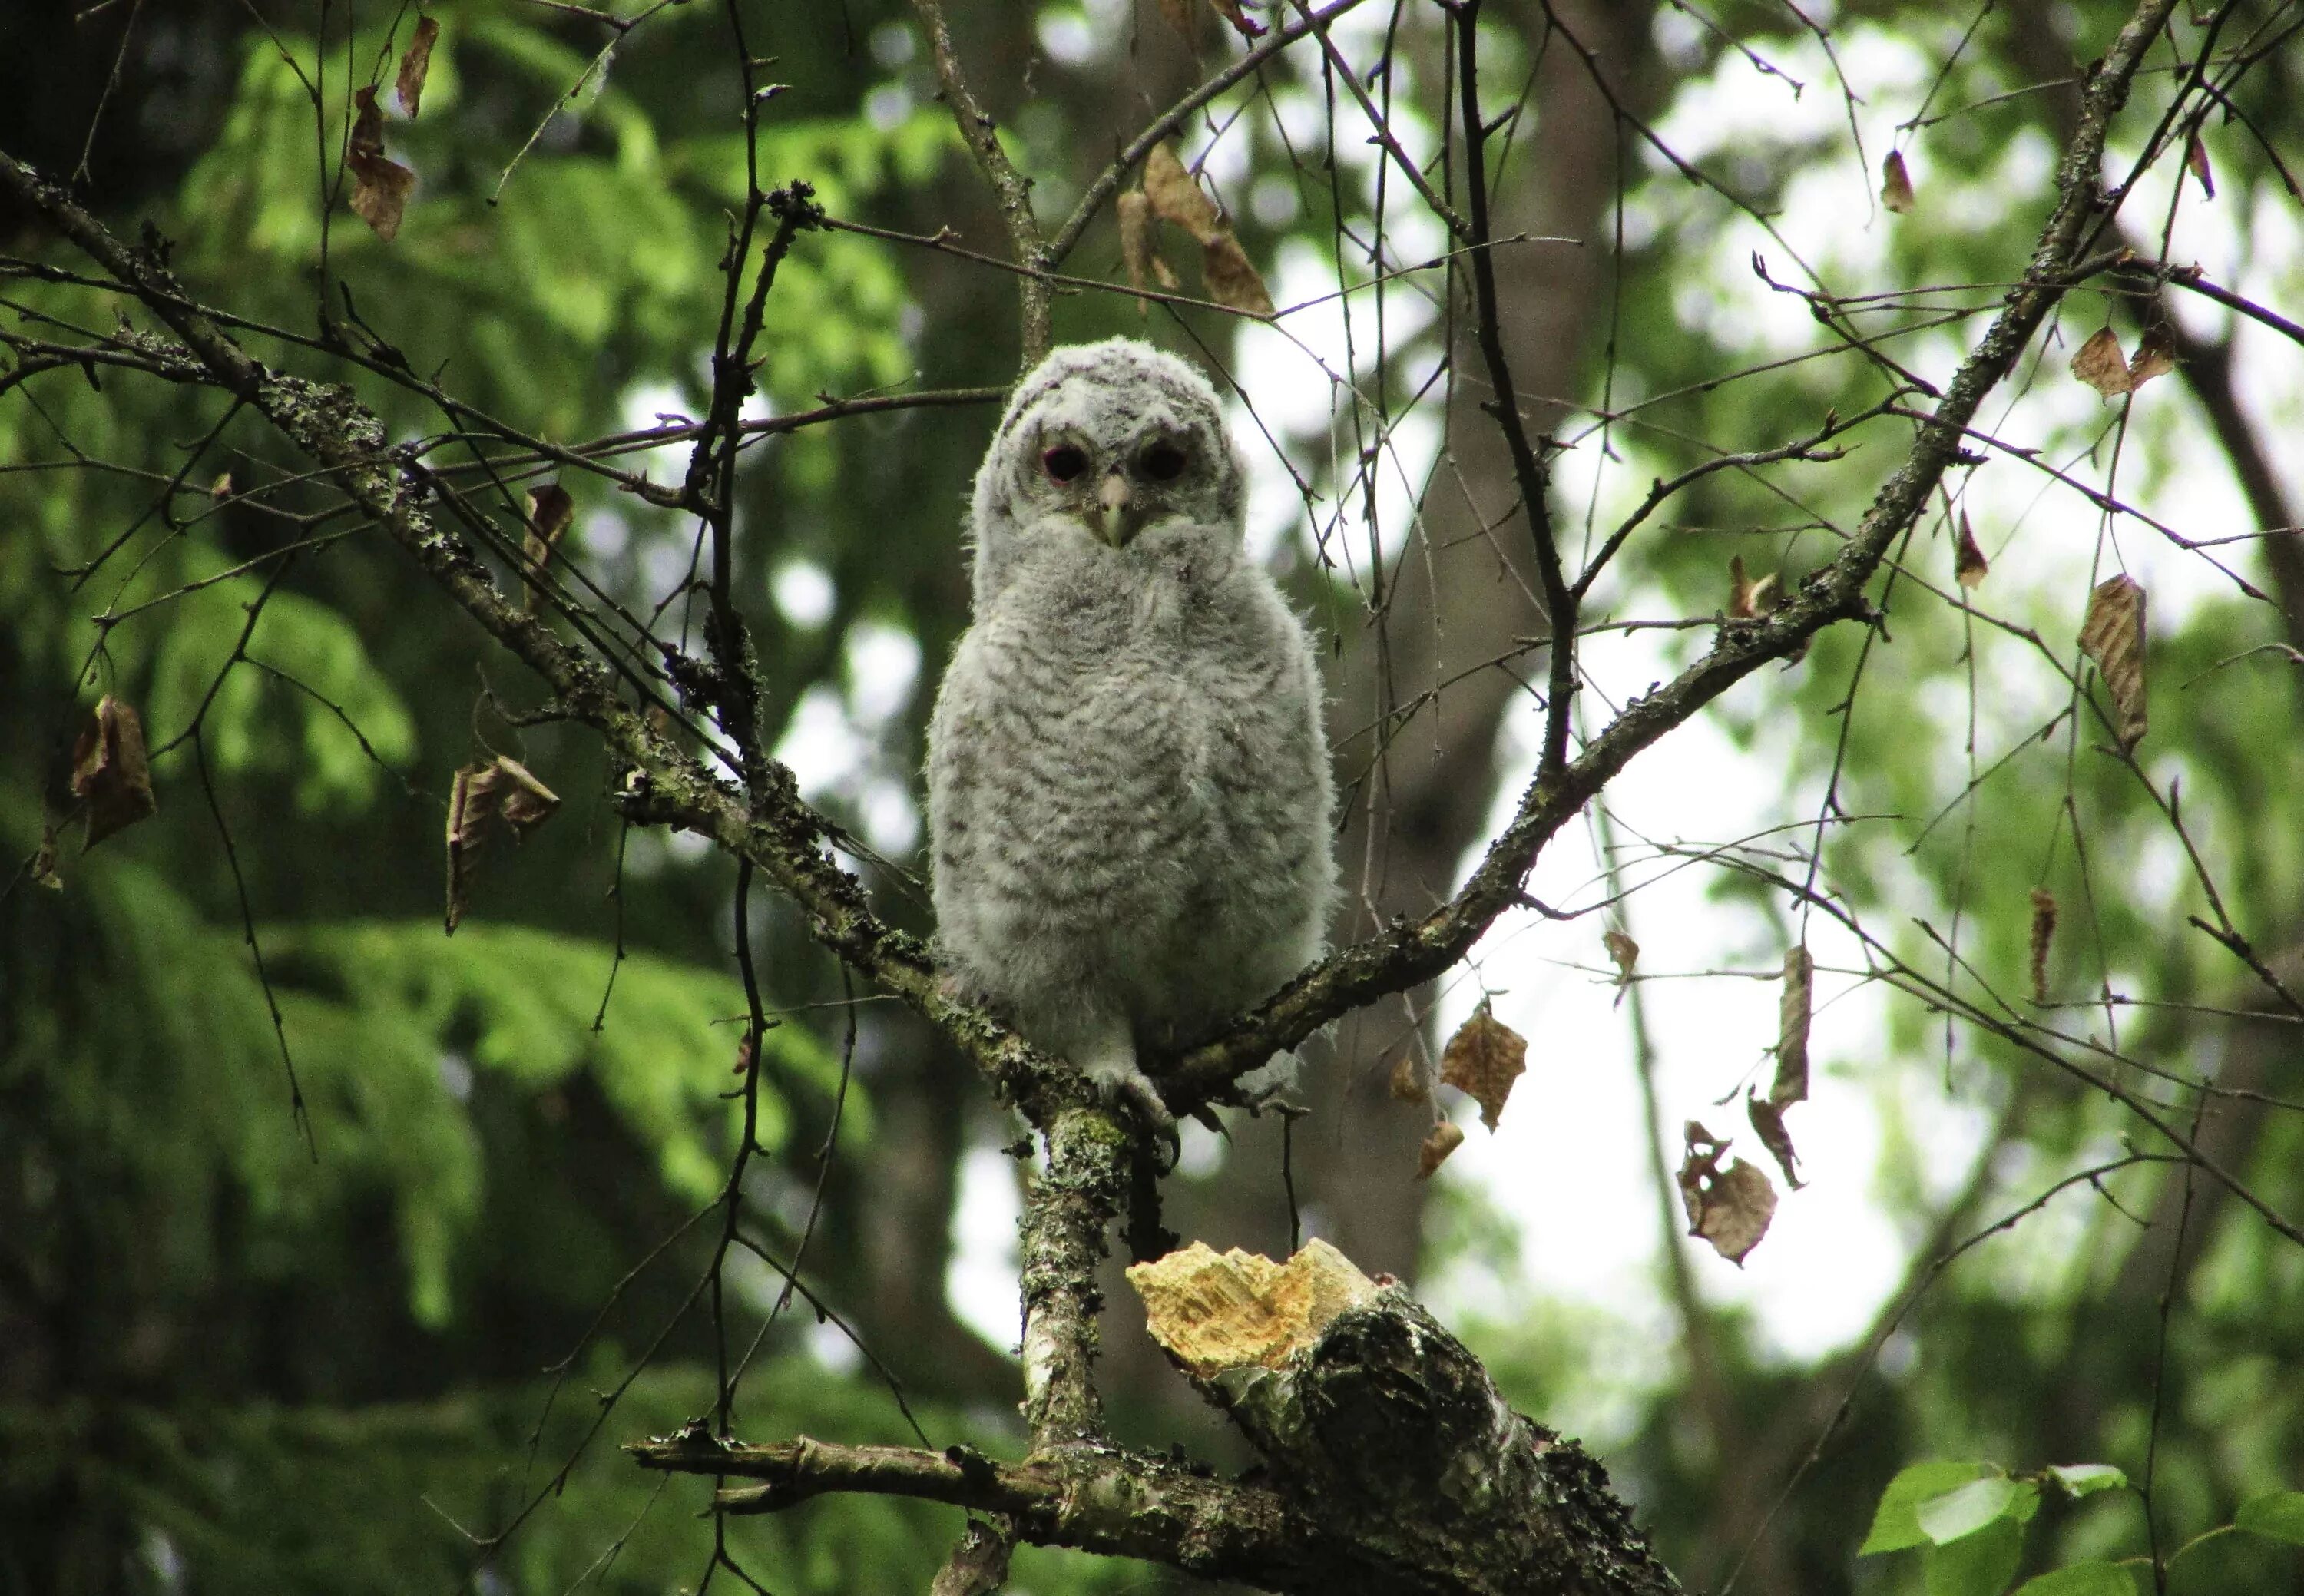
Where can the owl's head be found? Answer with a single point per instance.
(1108, 447)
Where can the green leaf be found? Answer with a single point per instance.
(2086, 1479)
(2093, 1577)
(1960, 1513)
(2278, 1516)
(1978, 1564)
(1895, 1525)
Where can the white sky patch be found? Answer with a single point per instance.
(980, 1281)
(803, 593)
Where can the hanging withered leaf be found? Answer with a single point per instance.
(502, 795)
(1138, 251)
(1768, 1121)
(1225, 273)
(1229, 10)
(1626, 953)
(549, 511)
(1232, 280)
(2100, 364)
(1793, 1007)
(1748, 601)
(1446, 1138)
(2044, 932)
(1484, 1059)
(2196, 157)
(1896, 184)
(1970, 566)
(2112, 635)
(380, 185)
(418, 61)
(110, 773)
(1729, 1208)
(1407, 1083)
(2156, 356)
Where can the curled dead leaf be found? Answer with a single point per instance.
(1748, 599)
(2196, 157)
(1793, 1008)
(2112, 635)
(1484, 1059)
(380, 185)
(43, 869)
(1407, 1083)
(1896, 184)
(549, 511)
(2100, 364)
(2044, 932)
(1769, 1121)
(1729, 1208)
(2156, 356)
(1626, 953)
(1135, 246)
(1176, 197)
(1970, 566)
(110, 773)
(1446, 1138)
(1226, 274)
(502, 795)
(414, 63)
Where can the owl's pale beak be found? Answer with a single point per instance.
(1114, 524)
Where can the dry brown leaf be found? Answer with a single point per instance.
(1484, 1059)
(1226, 272)
(2044, 932)
(1407, 1082)
(1137, 251)
(418, 61)
(1176, 197)
(1626, 953)
(1446, 1137)
(2100, 364)
(1748, 601)
(2156, 356)
(1895, 183)
(110, 773)
(380, 186)
(502, 793)
(1729, 1208)
(1792, 1010)
(2195, 157)
(549, 511)
(1231, 280)
(1768, 1120)
(2112, 635)
(1230, 11)
(1969, 564)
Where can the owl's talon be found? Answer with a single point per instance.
(1131, 1091)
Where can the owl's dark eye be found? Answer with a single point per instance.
(1164, 463)
(1064, 462)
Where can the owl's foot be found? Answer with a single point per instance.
(1123, 1086)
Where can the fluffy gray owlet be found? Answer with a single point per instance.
(1128, 795)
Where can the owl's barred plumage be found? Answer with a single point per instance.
(1128, 795)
